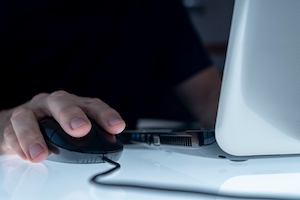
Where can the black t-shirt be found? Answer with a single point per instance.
(120, 51)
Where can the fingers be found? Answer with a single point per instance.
(63, 107)
(103, 114)
(11, 144)
(71, 112)
(23, 136)
(22, 133)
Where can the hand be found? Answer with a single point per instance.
(19, 127)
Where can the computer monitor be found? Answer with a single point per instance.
(259, 108)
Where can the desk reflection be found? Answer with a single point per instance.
(23, 179)
(264, 177)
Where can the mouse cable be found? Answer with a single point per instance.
(168, 189)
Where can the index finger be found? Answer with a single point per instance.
(63, 108)
(25, 134)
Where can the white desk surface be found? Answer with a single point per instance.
(140, 164)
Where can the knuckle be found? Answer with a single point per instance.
(20, 111)
(36, 100)
(109, 113)
(93, 101)
(97, 104)
(7, 131)
(68, 110)
(58, 94)
(10, 140)
(39, 96)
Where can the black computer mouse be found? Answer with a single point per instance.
(88, 149)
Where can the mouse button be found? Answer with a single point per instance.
(113, 147)
(48, 127)
(109, 141)
(86, 144)
(62, 139)
(92, 142)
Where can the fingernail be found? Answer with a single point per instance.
(77, 122)
(35, 150)
(114, 120)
